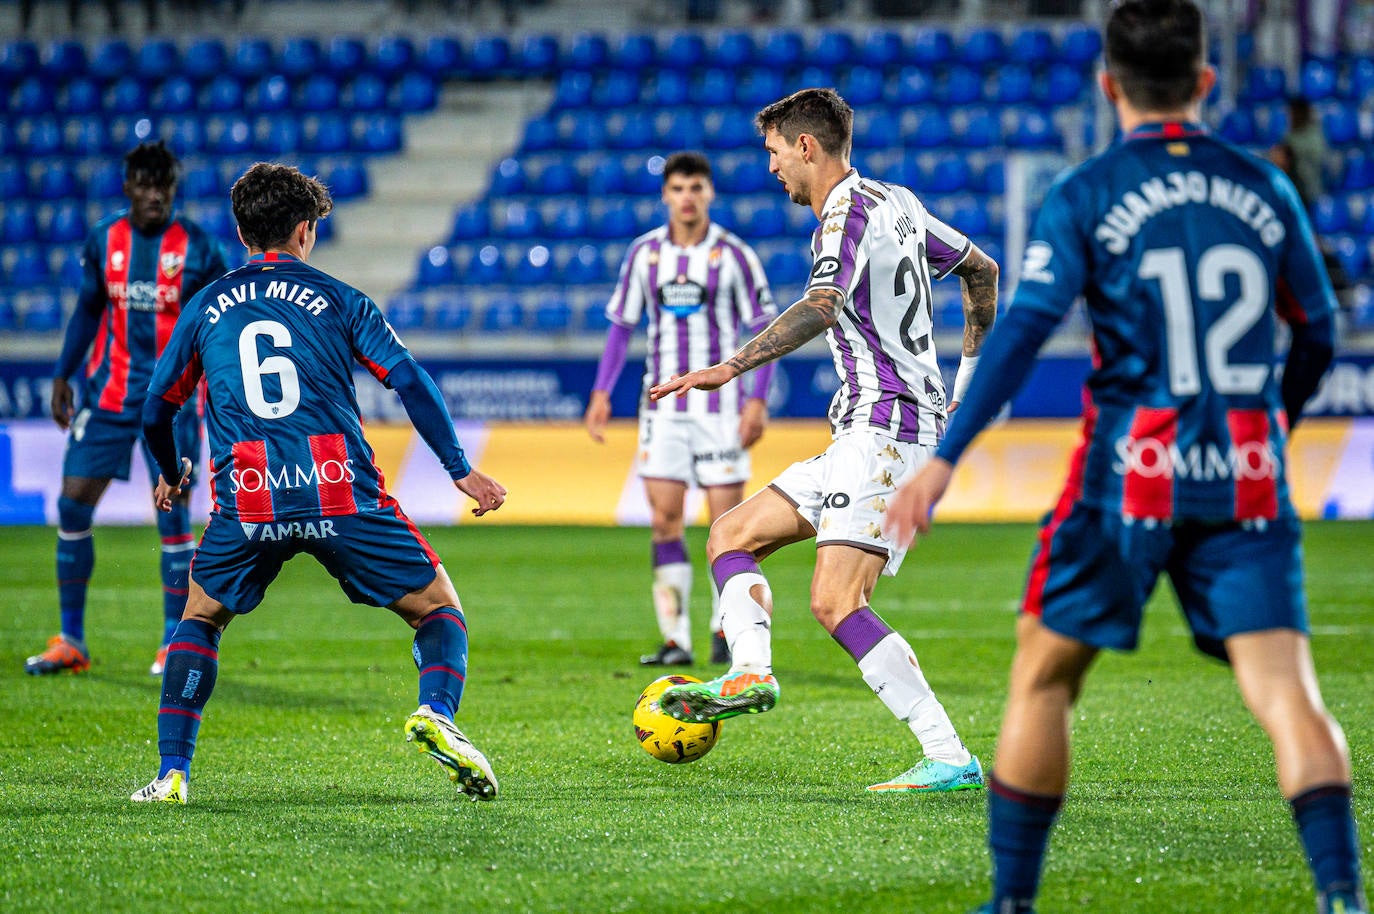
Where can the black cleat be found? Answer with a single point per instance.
(668, 655)
(720, 648)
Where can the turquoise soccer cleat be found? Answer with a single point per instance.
(931, 776)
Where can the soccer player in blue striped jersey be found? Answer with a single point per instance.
(291, 472)
(138, 267)
(1188, 252)
(876, 250)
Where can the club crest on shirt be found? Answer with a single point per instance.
(171, 263)
(713, 258)
(117, 260)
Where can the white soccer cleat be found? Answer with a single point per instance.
(173, 787)
(436, 736)
(159, 662)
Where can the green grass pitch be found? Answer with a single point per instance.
(305, 797)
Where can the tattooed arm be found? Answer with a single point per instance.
(978, 277)
(804, 321)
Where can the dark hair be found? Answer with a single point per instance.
(819, 112)
(1155, 50)
(151, 162)
(271, 200)
(687, 164)
(1299, 111)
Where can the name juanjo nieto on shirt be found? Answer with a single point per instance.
(1125, 218)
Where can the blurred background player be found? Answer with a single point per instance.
(1183, 312)
(698, 284)
(139, 266)
(876, 250)
(276, 341)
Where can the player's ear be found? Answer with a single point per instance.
(239, 231)
(1108, 85)
(1206, 79)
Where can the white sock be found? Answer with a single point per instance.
(715, 610)
(672, 590)
(748, 626)
(891, 671)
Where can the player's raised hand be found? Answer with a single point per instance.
(63, 402)
(164, 492)
(712, 378)
(481, 488)
(597, 415)
(909, 511)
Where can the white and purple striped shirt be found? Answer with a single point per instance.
(877, 244)
(697, 300)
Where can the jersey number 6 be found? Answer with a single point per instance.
(254, 370)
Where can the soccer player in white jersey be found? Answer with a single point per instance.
(876, 250)
(697, 284)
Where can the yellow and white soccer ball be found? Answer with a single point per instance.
(666, 739)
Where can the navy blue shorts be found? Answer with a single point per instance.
(100, 444)
(1092, 574)
(376, 556)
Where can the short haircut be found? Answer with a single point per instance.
(1155, 50)
(271, 200)
(151, 162)
(819, 112)
(687, 164)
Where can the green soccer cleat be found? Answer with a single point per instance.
(729, 696)
(436, 735)
(936, 777)
(172, 787)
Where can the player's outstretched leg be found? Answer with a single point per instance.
(735, 693)
(436, 736)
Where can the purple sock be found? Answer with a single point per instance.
(860, 631)
(672, 552)
(729, 564)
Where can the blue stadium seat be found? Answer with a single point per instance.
(346, 56)
(1331, 215)
(278, 134)
(406, 311)
(1352, 254)
(962, 85)
(876, 127)
(816, 76)
(538, 55)
(682, 129)
(1358, 170)
(87, 136)
(42, 312)
(1263, 84)
(1342, 126)
(1012, 85)
(587, 51)
(558, 177)
(490, 57)
(732, 50)
(56, 180)
(1031, 128)
(270, 94)
(471, 222)
(712, 88)
(763, 221)
(300, 56)
(632, 130)
(185, 134)
(541, 133)
(127, 95)
(1032, 47)
(606, 177)
(553, 315)
(451, 313)
(1061, 85)
(503, 315)
(176, 95)
(684, 51)
(508, 178)
(436, 268)
(977, 128)
(319, 92)
(967, 214)
(205, 58)
(200, 180)
(39, 137)
(230, 135)
(566, 219)
(18, 223)
(594, 319)
(931, 47)
(81, 96)
(882, 48)
(582, 129)
(9, 317)
(367, 92)
(862, 86)
(786, 267)
(252, 58)
(1317, 81)
(222, 95)
(644, 177)
(926, 128)
(950, 174)
(833, 48)
(30, 267)
(110, 59)
(63, 59)
(517, 220)
(535, 267)
(486, 266)
(983, 48)
(1238, 126)
(730, 128)
(1361, 83)
(669, 89)
(378, 132)
(106, 180)
(14, 182)
(615, 90)
(393, 55)
(758, 86)
(33, 96)
(584, 266)
(1080, 45)
(17, 59)
(782, 49)
(66, 224)
(913, 86)
(635, 51)
(573, 90)
(612, 219)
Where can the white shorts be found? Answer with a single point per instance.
(699, 451)
(844, 492)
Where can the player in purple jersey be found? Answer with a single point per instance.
(698, 285)
(276, 341)
(139, 266)
(876, 250)
(1187, 250)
